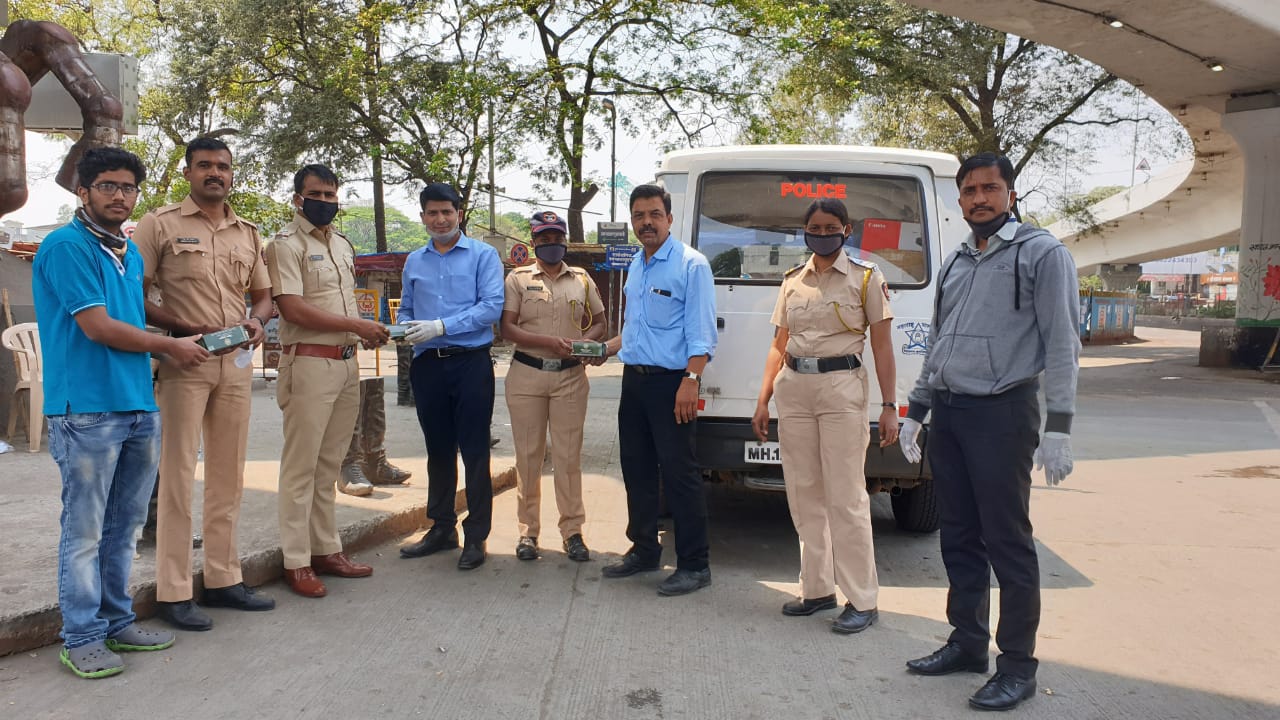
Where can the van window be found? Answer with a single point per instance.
(750, 225)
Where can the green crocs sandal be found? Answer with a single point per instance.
(136, 639)
(92, 661)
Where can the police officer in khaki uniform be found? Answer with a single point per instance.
(311, 267)
(814, 373)
(203, 259)
(548, 306)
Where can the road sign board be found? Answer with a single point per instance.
(618, 257)
(611, 233)
(367, 303)
(519, 254)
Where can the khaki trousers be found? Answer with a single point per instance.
(823, 432)
(320, 399)
(538, 398)
(213, 398)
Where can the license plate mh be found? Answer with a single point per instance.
(765, 453)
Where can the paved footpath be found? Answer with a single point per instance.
(1157, 559)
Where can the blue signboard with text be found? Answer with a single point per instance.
(618, 257)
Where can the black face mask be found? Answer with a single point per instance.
(319, 212)
(823, 245)
(988, 228)
(551, 254)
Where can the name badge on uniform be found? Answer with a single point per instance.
(663, 293)
(535, 288)
(315, 258)
(188, 241)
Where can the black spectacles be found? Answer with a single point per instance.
(110, 188)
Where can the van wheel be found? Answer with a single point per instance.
(916, 510)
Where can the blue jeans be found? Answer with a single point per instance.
(108, 463)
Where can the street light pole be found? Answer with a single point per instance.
(613, 158)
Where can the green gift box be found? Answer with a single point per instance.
(588, 348)
(223, 339)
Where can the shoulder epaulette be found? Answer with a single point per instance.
(862, 263)
(167, 209)
(795, 269)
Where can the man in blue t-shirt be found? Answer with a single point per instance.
(104, 431)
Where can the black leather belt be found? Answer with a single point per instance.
(445, 352)
(653, 370)
(552, 364)
(809, 366)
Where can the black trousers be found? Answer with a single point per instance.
(981, 451)
(454, 398)
(653, 448)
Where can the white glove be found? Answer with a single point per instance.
(909, 440)
(421, 331)
(1054, 455)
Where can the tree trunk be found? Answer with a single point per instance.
(379, 207)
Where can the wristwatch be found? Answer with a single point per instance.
(889, 405)
(691, 375)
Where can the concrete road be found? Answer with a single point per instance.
(1158, 558)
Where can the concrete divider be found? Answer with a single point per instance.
(30, 629)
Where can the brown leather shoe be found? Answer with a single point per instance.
(339, 564)
(304, 582)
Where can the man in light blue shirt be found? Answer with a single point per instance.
(451, 296)
(667, 340)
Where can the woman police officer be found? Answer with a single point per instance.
(814, 373)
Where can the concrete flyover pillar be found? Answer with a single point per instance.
(1254, 122)
(1119, 277)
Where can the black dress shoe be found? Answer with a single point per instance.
(527, 548)
(853, 620)
(184, 615)
(472, 556)
(1003, 692)
(807, 606)
(683, 582)
(576, 548)
(433, 542)
(950, 658)
(237, 597)
(629, 565)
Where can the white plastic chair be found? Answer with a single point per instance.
(24, 340)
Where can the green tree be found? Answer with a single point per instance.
(364, 84)
(674, 58)
(898, 75)
(403, 234)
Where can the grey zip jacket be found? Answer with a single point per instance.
(994, 328)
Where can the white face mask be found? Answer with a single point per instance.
(447, 235)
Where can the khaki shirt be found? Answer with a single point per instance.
(202, 271)
(825, 312)
(319, 267)
(561, 306)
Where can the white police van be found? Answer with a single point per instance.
(743, 207)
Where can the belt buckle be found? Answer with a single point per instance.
(806, 365)
(552, 365)
(348, 352)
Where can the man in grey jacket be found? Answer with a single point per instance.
(1007, 311)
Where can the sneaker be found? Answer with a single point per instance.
(576, 549)
(527, 548)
